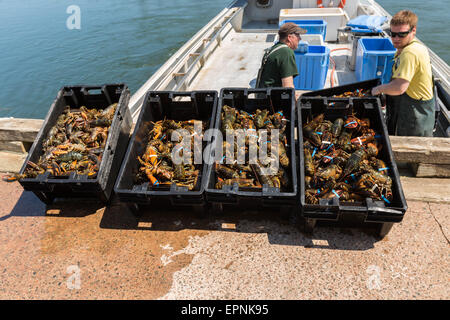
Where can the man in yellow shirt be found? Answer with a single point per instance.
(412, 103)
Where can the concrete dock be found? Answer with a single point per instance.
(85, 251)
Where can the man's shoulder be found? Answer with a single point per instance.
(282, 50)
(416, 49)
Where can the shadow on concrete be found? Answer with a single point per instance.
(28, 205)
(119, 216)
(281, 229)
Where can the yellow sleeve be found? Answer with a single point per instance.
(407, 66)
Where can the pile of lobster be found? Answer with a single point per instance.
(157, 163)
(358, 93)
(259, 131)
(341, 161)
(75, 144)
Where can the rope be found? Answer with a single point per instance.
(334, 65)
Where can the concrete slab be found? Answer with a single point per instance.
(86, 251)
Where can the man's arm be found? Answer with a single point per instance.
(396, 87)
(289, 82)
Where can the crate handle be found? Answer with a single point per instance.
(119, 116)
(181, 94)
(93, 90)
(249, 91)
(252, 95)
(384, 210)
(372, 207)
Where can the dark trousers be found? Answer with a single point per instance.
(406, 116)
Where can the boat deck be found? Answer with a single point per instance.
(236, 62)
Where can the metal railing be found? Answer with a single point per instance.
(441, 69)
(179, 71)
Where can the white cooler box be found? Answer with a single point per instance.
(335, 18)
(312, 39)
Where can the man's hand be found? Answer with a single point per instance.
(376, 90)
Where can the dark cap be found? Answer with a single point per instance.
(288, 28)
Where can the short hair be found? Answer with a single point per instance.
(404, 17)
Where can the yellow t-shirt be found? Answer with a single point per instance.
(413, 65)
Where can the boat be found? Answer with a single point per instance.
(227, 52)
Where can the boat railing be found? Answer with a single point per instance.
(182, 68)
(179, 71)
(441, 69)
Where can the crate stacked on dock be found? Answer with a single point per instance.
(79, 149)
(154, 170)
(347, 169)
(234, 184)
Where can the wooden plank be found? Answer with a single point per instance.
(16, 129)
(11, 162)
(419, 149)
(13, 146)
(431, 170)
(426, 189)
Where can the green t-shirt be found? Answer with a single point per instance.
(280, 64)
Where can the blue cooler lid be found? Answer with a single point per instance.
(367, 24)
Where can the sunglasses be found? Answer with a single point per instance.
(297, 34)
(399, 34)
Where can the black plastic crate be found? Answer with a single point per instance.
(329, 92)
(370, 212)
(158, 105)
(233, 197)
(47, 187)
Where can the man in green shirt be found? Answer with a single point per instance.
(278, 67)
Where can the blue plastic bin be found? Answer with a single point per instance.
(311, 26)
(374, 59)
(312, 68)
